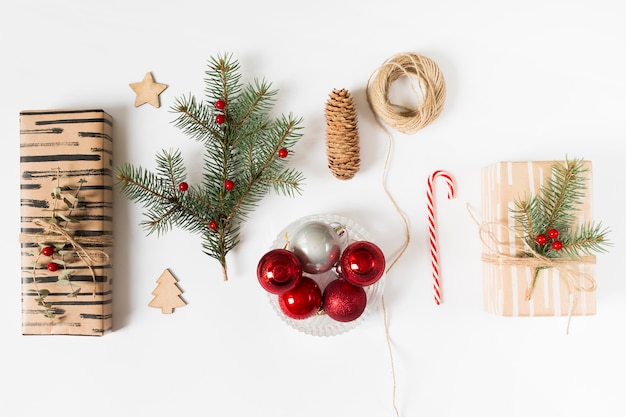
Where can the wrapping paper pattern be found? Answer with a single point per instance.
(505, 285)
(71, 145)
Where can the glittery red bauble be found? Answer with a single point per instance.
(53, 266)
(279, 271)
(303, 301)
(541, 239)
(47, 251)
(220, 104)
(183, 186)
(343, 301)
(283, 153)
(362, 263)
(220, 118)
(553, 233)
(229, 185)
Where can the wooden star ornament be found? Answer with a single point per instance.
(147, 91)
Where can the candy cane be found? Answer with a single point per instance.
(431, 226)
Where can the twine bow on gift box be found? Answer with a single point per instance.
(516, 254)
(62, 236)
(526, 256)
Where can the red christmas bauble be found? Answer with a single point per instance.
(220, 118)
(213, 225)
(283, 152)
(53, 266)
(557, 245)
(343, 301)
(279, 271)
(183, 186)
(303, 301)
(47, 251)
(229, 185)
(362, 263)
(553, 233)
(541, 239)
(220, 104)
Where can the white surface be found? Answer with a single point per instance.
(526, 80)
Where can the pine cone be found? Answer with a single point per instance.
(342, 135)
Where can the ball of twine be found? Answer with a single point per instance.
(431, 84)
(342, 135)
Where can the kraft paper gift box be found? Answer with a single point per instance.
(567, 288)
(66, 203)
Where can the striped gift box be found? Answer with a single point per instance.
(559, 291)
(67, 154)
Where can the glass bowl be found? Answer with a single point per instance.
(321, 324)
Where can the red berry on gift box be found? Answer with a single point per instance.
(220, 118)
(229, 185)
(47, 251)
(220, 104)
(282, 153)
(279, 271)
(53, 266)
(183, 186)
(553, 233)
(541, 239)
(303, 301)
(343, 301)
(362, 263)
(213, 225)
(557, 245)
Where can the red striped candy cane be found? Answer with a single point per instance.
(432, 229)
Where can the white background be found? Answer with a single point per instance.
(533, 80)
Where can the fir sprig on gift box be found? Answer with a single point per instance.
(55, 243)
(549, 219)
(246, 155)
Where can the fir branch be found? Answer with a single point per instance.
(549, 220)
(222, 77)
(196, 120)
(563, 192)
(242, 145)
(587, 239)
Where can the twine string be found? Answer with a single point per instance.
(407, 121)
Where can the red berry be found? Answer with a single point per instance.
(553, 233)
(229, 185)
(213, 225)
(47, 251)
(183, 186)
(219, 104)
(220, 118)
(53, 266)
(541, 239)
(283, 153)
(557, 245)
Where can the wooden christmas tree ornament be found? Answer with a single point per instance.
(342, 135)
(167, 294)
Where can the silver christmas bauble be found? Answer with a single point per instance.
(317, 245)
